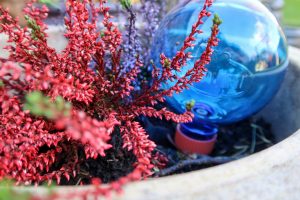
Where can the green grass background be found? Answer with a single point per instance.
(291, 13)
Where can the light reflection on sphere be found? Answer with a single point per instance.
(247, 67)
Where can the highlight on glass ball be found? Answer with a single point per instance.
(247, 67)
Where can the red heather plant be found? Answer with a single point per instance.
(52, 101)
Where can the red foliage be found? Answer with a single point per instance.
(101, 99)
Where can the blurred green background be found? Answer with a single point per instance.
(291, 13)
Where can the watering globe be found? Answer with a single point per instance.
(247, 67)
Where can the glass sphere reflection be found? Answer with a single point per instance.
(247, 67)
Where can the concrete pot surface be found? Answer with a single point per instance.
(271, 174)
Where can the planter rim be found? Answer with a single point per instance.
(270, 174)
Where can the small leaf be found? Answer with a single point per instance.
(217, 20)
(189, 105)
(126, 3)
(34, 97)
(42, 106)
(36, 29)
(48, 2)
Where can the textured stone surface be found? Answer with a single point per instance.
(284, 110)
(293, 35)
(271, 174)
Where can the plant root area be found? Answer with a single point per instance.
(234, 142)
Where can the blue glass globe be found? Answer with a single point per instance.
(247, 67)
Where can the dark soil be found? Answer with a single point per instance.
(117, 163)
(234, 142)
(244, 138)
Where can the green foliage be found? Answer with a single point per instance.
(217, 21)
(167, 63)
(126, 3)
(7, 192)
(42, 106)
(189, 105)
(48, 2)
(36, 29)
(291, 14)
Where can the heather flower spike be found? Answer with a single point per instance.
(152, 11)
(70, 106)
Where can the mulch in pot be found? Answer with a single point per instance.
(234, 142)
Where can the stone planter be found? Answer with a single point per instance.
(270, 174)
(293, 35)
